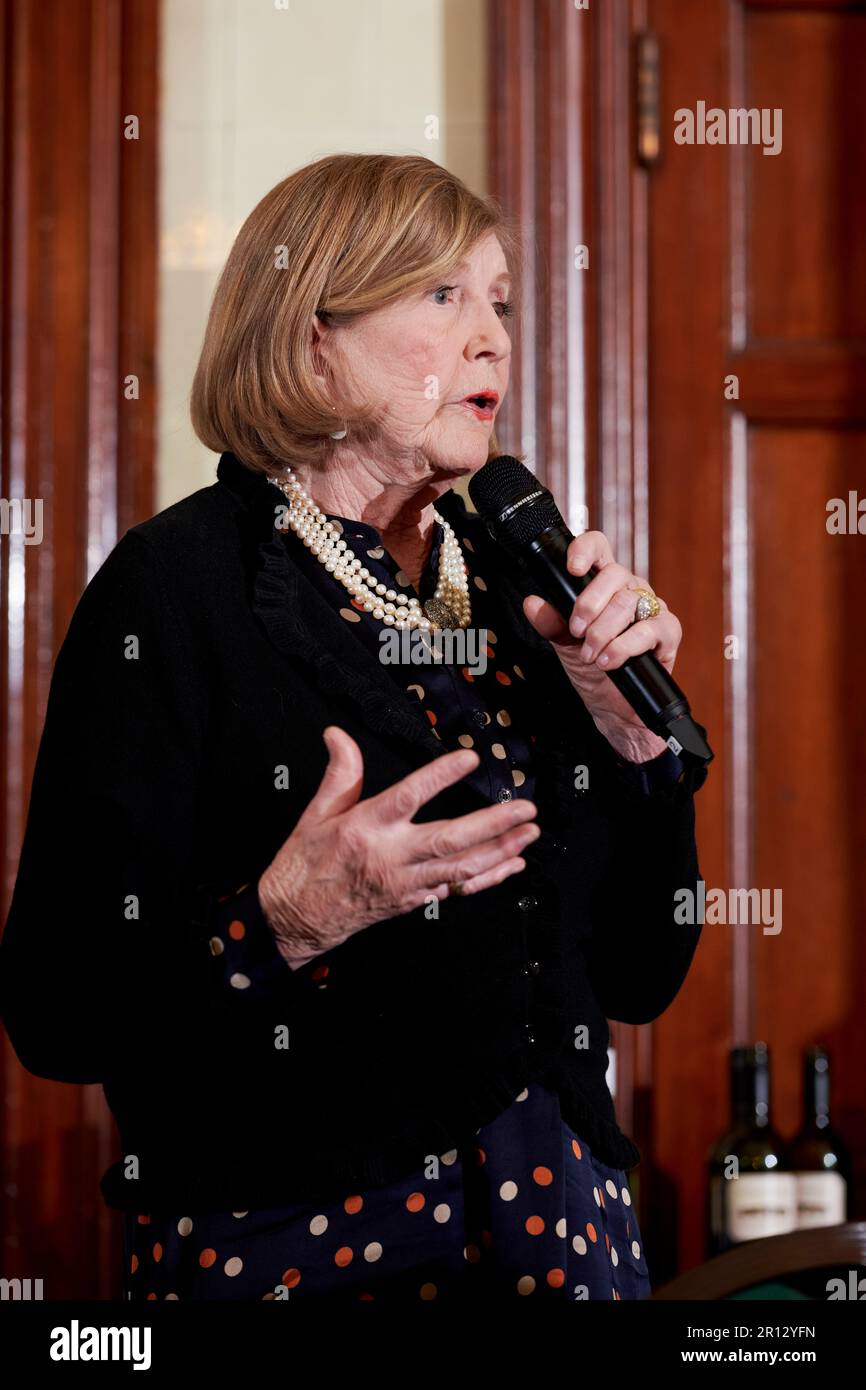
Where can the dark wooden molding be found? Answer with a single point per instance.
(78, 261)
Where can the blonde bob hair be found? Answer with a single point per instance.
(341, 237)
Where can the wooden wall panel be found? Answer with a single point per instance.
(711, 263)
(78, 242)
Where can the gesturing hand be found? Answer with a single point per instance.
(350, 863)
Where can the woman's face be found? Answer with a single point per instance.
(420, 358)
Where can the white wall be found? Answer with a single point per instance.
(252, 89)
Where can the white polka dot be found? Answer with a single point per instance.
(403, 579)
(597, 1195)
(239, 1214)
(472, 1254)
(350, 615)
(239, 981)
(635, 1249)
(442, 1213)
(626, 1196)
(233, 1266)
(479, 583)
(468, 544)
(172, 1295)
(419, 690)
(503, 718)
(184, 1226)
(376, 552)
(526, 1284)
(428, 1292)
(318, 1225)
(498, 751)
(216, 946)
(508, 1191)
(466, 741)
(560, 1228)
(373, 1252)
(614, 1256)
(523, 1094)
(338, 527)
(517, 671)
(518, 776)
(610, 1187)
(579, 1244)
(491, 636)
(449, 1158)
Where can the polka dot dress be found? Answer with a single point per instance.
(525, 1211)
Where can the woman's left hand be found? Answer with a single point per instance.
(602, 634)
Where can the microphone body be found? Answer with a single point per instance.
(521, 515)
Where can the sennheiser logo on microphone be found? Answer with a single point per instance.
(524, 501)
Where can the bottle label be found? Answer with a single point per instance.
(755, 1205)
(820, 1199)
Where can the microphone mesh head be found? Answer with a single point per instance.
(499, 490)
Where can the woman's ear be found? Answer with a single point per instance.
(318, 347)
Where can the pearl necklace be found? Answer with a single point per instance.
(450, 605)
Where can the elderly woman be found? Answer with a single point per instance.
(339, 936)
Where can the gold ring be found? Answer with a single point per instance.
(456, 890)
(647, 605)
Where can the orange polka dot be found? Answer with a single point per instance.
(577, 1149)
(144, 1221)
(415, 1201)
(467, 674)
(591, 1232)
(430, 715)
(133, 1264)
(237, 930)
(320, 972)
(353, 1204)
(607, 1241)
(481, 1156)
(601, 1195)
(343, 1257)
(365, 1298)
(150, 1296)
(556, 1278)
(502, 678)
(207, 1258)
(157, 1252)
(487, 1238)
(616, 1294)
(291, 1278)
(490, 652)
(534, 1225)
(542, 1176)
(356, 603)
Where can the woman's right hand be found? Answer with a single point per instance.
(350, 863)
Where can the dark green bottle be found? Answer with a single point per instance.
(750, 1193)
(816, 1155)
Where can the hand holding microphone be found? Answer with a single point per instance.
(588, 610)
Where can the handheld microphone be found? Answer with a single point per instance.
(521, 515)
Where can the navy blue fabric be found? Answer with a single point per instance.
(528, 1210)
(525, 1211)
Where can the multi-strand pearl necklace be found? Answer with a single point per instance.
(450, 606)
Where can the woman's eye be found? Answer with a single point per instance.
(503, 307)
(444, 289)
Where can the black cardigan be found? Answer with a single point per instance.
(200, 661)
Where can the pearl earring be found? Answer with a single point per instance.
(339, 434)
